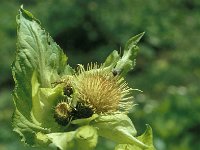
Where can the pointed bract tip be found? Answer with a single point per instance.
(134, 40)
(139, 36)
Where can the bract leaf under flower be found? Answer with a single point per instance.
(118, 128)
(86, 138)
(62, 140)
(146, 137)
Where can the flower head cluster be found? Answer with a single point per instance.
(93, 90)
(86, 104)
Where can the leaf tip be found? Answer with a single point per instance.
(139, 36)
(148, 127)
(26, 14)
(21, 7)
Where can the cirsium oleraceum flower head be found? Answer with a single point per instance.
(102, 91)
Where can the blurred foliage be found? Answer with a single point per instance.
(167, 66)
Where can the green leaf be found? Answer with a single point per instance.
(127, 61)
(36, 105)
(41, 114)
(42, 139)
(39, 62)
(132, 42)
(111, 60)
(25, 128)
(86, 138)
(125, 147)
(48, 97)
(63, 140)
(118, 128)
(36, 51)
(146, 138)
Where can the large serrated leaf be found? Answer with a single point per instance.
(25, 128)
(36, 50)
(39, 62)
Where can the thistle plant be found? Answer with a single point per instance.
(63, 108)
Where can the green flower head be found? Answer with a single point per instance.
(59, 107)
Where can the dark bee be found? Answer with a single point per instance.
(82, 111)
(65, 113)
(68, 90)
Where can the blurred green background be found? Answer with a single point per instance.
(168, 64)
